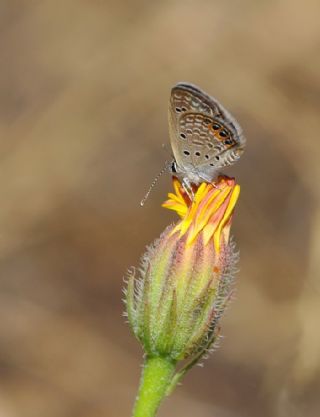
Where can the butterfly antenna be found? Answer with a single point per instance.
(154, 182)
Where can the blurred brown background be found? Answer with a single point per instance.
(84, 87)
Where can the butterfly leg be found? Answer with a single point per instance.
(209, 182)
(186, 184)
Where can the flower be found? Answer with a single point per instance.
(209, 212)
(177, 296)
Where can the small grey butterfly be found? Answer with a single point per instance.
(204, 136)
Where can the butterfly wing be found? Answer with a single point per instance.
(204, 136)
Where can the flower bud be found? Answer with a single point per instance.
(184, 283)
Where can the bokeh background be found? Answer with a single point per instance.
(84, 87)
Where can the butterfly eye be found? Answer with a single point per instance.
(215, 126)
(186, 153)
(178, 110)
(183, 109)
(206, 156)
(217, 158)
(182, 135)
(228, 142)
(197, 153)
(223, 134)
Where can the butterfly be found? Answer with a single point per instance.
(203, 134)
(204, 137)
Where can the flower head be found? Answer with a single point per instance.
(209, 213)
(176, 298)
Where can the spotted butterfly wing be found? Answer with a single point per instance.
(204, 136)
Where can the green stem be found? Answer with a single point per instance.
(156, 377)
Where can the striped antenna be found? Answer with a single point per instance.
(154, 182)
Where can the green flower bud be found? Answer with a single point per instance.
(178, 295)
